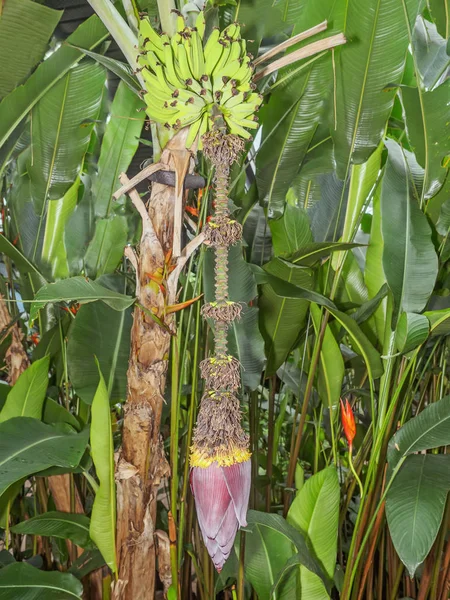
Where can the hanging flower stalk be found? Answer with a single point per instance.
(206, 86)
(220, 458)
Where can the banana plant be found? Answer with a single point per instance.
(285, 303)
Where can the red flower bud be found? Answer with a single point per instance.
(348, 422)
(221, 498)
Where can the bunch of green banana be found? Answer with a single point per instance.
(191, 82)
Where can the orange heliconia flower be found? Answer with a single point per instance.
(348, 422)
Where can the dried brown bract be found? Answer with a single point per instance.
(218, 435)
(221, 372)
(223, 231)
(222, 148)
(222, 311)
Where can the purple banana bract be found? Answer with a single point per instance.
(221, 498)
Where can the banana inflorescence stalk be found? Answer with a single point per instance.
(222, 372)
(207, 85)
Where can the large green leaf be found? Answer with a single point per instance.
(21, 581)
(360, 343)
(81, 290)
(439, 321)
(326, 198)
(291, 232)
(295, 109)
(415, 506)
(103, 517)
(72, 526)
(440, 11)
(54, 252)
(79, 231)
(19, 102)
(247, 344)
(430, 52)
(19, 259)
(315, 512)
(285, 289)
(101, 333)
(61, 129)
(289, 120)
(119, 145)
(27, 229)
(373, 58)
(89, 561)
(281, 319)
(268, 548)
(374, 276)
(362, 180)
(27, 396)
(412, 331)
(331, 369)
(28, 446)
(266, 553)
(25, 28)
(56, 413)
(430, 429)
(106, 248)
(409, 258)
(428, 132)
(119, 68)
(311, 254)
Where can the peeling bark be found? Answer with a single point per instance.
(16, 358)
(142, 463)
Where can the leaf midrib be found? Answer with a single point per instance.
(58, 520)
(24, 449)
(52, 162)
(39, 586)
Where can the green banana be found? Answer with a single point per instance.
(183, 70)
(237, 129)
(213, 54)
(193, 132)
(200, 24)
(197, 58)
(211, 41)
(223, 58)
(169, 67)
(190, 81)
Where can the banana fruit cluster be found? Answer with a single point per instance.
(191, 82)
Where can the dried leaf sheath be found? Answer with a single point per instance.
(142, 463)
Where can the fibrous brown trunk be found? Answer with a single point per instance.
(142, 464)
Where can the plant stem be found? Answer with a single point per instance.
(355, 474)
(166, 16)
(191, 421)
(174, 439)
(370, 527)
(309, 386)
(240, 581)
(269, 469)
